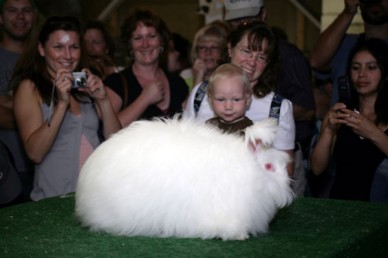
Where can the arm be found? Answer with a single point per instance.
(37, 136)
(380, 139)
(98, 92)
(110, 121)
(199, 70)
(151, 94)
(367, 129)
(321, 153)
(331, 37)
(7, 120)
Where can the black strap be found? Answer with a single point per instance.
(125, 89)
(274, 111)
(199, 95)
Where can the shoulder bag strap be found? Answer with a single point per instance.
(125, 89)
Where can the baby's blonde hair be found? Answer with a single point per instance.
(228, 71)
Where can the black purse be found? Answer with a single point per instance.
(10, 183)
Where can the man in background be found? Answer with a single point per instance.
(329, 55)
(17, 18)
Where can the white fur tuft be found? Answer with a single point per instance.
(180, 178)
(264, 130)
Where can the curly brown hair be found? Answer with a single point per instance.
(149, 19)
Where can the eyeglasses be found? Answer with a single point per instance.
(247, 53)
(204, 49)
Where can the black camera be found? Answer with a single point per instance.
(369, 1)
(79, 80)
(344, 92)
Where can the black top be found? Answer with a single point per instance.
(356, 162)
(178, 92)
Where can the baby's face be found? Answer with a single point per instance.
(229, 98)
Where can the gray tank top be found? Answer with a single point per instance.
(57, 174)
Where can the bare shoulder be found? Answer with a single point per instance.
(27, 91)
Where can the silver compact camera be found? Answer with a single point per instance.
(79, 80)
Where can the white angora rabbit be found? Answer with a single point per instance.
(179, 178)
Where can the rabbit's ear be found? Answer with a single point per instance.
(262, 132)
(254, 145)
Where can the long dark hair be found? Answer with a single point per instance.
(149, 19)
(256, 32)
(379, 50)
(32, 65)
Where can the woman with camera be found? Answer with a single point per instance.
(357, 139)
(59, 112)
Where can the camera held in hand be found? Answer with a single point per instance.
(344, 92)
(79, 80)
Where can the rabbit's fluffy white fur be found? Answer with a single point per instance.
(179, 178)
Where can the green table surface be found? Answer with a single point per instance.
(307, 228)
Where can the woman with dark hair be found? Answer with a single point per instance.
(100, 47)
(253, 47)
(356, 137)
(57, 111)
(146, 89)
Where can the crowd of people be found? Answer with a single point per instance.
(62, 93)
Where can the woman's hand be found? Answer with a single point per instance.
(199, 70)
(63, 83)
(336, 116)
(360, 124)
(351, 6)
(94, 86)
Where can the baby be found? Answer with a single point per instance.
(229, 95)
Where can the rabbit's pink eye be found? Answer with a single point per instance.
(269, 166)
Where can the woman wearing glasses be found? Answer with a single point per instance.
(206, 53)
(253, 47)
(58, 119)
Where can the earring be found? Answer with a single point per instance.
(161, 49)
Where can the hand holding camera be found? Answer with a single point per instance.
(83, 81)
(79, 80)
(344, 92)
(90, 83)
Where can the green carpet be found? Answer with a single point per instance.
(308, 228)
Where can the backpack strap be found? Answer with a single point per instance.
(199, 95)
(274, 111)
